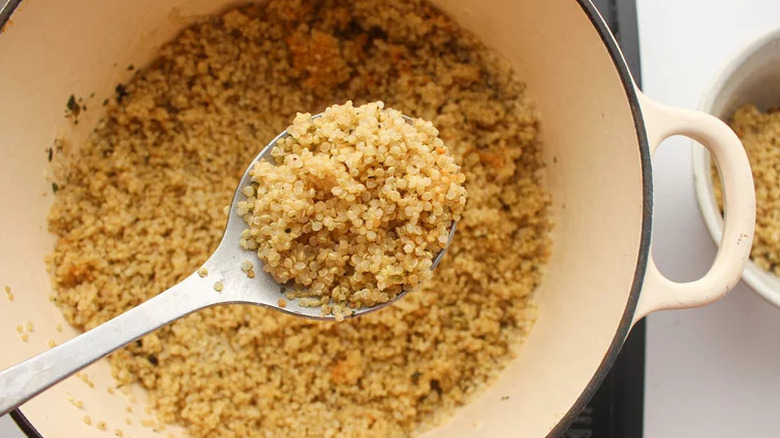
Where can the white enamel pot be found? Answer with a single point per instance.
(599, 134)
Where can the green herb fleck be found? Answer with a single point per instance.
(105, 102)
(91, 95)
(506, 397)
(54, 187)
(50, 152)
(121, 92)
(73, 108)
(130, 67)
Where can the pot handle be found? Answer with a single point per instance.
(659, 292)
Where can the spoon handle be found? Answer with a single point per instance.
(27, 379)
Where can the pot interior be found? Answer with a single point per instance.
(53, 49)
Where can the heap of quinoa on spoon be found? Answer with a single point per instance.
(356, 208)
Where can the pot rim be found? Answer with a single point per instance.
(625, 325)
(626, 321)
(6, 10)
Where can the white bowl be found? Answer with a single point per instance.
(753, 76)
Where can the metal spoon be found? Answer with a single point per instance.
(27, 379)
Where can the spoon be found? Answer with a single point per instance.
(27, 379)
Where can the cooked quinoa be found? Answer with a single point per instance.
(140, 208)
(760, 134)
(354, 206)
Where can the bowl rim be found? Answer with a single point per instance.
(765, 284)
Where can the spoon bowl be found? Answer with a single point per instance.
(266, 291)
(219, 281)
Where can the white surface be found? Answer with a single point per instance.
(714, 371)
(711, 372)
(9, 429)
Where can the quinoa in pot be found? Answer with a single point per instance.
(140, 208)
